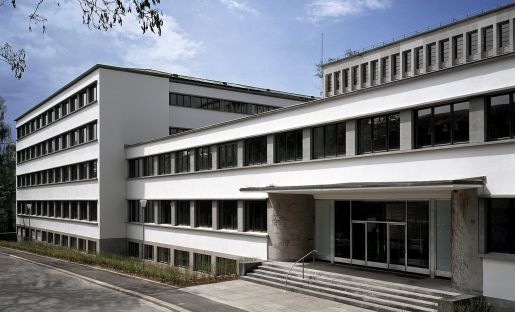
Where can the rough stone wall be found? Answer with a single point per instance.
(467, 266)
(291, 226)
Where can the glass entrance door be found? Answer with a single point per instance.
(397, 246)
(377, 245)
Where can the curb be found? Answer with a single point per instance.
(150, 299)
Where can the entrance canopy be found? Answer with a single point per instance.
(375, 187)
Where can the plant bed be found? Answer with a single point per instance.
(133, 266)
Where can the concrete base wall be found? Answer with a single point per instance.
(291, 226)
(467, 266)
(113, 246)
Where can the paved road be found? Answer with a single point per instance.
(29, 287)
(42, 289)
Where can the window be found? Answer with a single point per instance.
(346, 78)
(215, 104)
(255, 215)
(74, 210)
(396, 64)
(82, 244)
(165, 212)
(379, 133)
(228, 214)
(225, 266)
(444, 51)
(92, 169)
(64, 240)
(182, 161)
(504, 34)
(83, 171)
(182, 211)
(256, 151)
(488, 38)
(148, 166)
(133, 249)
(227, 155)
(328, 83)
(164, 163)
(500, 117)
(337, 83)
(202, 263)
(133, 168)
(441, 125)
(385, 70)
(328, 141)
(92, 93)
(203, 213)
(83, 210)
(92, 131)
(181, 258)
(407, 61)
(375, 71)
(364, 73)
(355, 80)
(149, 212)
(92, 247)
(148, 252)
(66, 209)
(500, 232)
(163, 255)
(203, 160)
(458, 47)
(288, 146)
(472, 43)
(175, 130)
(73, 242)
(93, 211)
(134, 211)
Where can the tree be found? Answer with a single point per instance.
(7, 174)
(96, 14)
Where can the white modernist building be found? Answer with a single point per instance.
(406, 164)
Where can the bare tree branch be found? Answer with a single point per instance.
(97, 14)
(15, 59)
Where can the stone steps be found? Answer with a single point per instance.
(363, 292)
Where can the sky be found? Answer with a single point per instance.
(272, 44)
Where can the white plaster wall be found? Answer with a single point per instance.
(80, 190)
(133, 107)
(185, 117)
(498, 278)
(64, 226)
(215, 241)
(443, 86)
(420, 165)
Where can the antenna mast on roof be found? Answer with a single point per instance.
(322, 64)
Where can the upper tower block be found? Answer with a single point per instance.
(472, 39)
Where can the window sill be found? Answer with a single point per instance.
(57, 219)
(56, 184)
(498, 256)
(202, 229)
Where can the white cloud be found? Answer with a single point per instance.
(240, 6)
(337, 9)
(171, 51)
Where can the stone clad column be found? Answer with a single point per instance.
(306, 144)
(350, 137)
(291, 226)
(477, 120)
(406, 123)
(270, 149)
(467, 266)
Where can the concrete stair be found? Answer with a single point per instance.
(376, 295)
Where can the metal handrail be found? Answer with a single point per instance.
(314, 251)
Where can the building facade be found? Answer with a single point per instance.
(406, 164)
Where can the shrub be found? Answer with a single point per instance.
(133, 266)
(478, 304)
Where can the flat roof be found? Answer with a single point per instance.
(418, 33)
(180, 79)
(475, 182)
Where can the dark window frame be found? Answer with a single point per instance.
(452, 122)
(388, 134)
(338, 152)
(283, 137)
(511, 107)
(255, 151)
